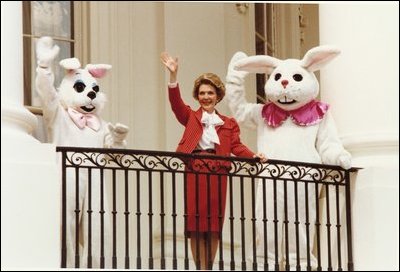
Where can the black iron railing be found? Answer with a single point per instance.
(134, 205)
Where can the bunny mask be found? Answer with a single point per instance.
(292, 85)
(79, 89)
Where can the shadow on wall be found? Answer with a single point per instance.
(40, 132)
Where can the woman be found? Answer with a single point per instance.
(206, 132)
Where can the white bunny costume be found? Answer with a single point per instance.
(72, 118)
(293, 126)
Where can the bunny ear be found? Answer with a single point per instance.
(318, 57)
(98, 70)
(257, 64)
(70, 64)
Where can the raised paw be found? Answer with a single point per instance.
(46, 51)
(234, 75)
(344, 161)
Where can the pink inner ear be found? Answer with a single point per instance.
(97, 72)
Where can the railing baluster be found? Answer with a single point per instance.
(242, 224)
(348, 220)
(338, 226)
(220, 216)
(265, 227)
(162, 217)
(64, 210)
(102, 257)
(253, 220)
(174, 260)
(77, 210)
(138, 214)
(89, 211)
(317, 227)
(208, 236)
(231, 221)
(286, 223)
(150, 214)
(185, 219)
(197, 222)
(276, 227)
(296, 222)
(307, 227)
(126, 213)
(114, 218)
(328, 226)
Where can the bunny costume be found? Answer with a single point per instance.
(72, 118)
(292, 126)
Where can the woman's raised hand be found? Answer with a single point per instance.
(169, 62)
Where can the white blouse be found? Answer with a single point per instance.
(210, 136)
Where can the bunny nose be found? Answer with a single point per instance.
(284, 83)
(91, 95)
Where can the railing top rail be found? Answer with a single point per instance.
(184, 156)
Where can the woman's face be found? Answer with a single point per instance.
(207, 97)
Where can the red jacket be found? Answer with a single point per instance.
(228, 133)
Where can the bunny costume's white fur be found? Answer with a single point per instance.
(78, 95)
(291, 85)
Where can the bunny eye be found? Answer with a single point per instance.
(96, 88)
(298, 77)
(79, 86)
(278, 76)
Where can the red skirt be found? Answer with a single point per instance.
(206, 196)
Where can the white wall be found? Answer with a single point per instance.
(363, 89)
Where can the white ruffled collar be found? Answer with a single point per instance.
(210, 136)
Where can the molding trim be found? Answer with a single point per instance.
(377, 142)
(242, 8)
(17, 120)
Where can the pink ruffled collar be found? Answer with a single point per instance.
(309, 114)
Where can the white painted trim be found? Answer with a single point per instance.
(378, 142)
(17, 120)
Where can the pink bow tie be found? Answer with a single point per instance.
(309, 114)
(81, 120)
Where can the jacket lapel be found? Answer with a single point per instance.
(222, 118)
(199, 114)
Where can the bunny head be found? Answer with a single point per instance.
(79, 89)
(291, 83)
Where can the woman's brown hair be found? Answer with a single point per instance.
(211, 79)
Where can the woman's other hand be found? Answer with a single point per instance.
(261, 156)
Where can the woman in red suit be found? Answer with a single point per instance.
(206, 132)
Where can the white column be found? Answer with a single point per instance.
(30, 197)
(362, 87)
(16, 121)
